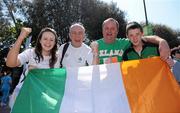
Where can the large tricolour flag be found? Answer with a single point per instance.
(139, 86)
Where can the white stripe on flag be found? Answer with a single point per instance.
(95, 89)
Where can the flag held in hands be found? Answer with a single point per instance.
(139, 86)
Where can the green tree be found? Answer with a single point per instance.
(94, 12)
(167, 33)
(60, 14)
(9, 21)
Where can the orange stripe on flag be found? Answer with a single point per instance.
(150, 86)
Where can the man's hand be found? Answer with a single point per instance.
(25, 31)
(164, 50)
(94, 47)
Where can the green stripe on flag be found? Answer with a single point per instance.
(41, 94)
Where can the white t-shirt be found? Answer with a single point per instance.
(30, 57)
(76, 57)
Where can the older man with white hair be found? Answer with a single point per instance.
(75, 53)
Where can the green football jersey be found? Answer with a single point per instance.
(108, 52)
(148, 50)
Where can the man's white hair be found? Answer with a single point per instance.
(75, 25)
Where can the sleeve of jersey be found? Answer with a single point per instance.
(25, 56)
(128, 43)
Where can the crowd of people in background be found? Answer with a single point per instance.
(75, 53)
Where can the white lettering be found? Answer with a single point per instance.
(111, 53)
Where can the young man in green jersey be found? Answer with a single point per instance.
(111, 49)
(139, 49)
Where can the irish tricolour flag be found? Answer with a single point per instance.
(139, 86)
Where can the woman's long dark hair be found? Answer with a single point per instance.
(38, 47)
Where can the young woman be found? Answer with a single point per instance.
(43, 55)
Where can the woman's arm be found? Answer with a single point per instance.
(12, 57)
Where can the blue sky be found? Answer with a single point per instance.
(166, 12)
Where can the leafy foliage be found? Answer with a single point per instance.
(60, 14)
(168, 34)
(165, 32)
